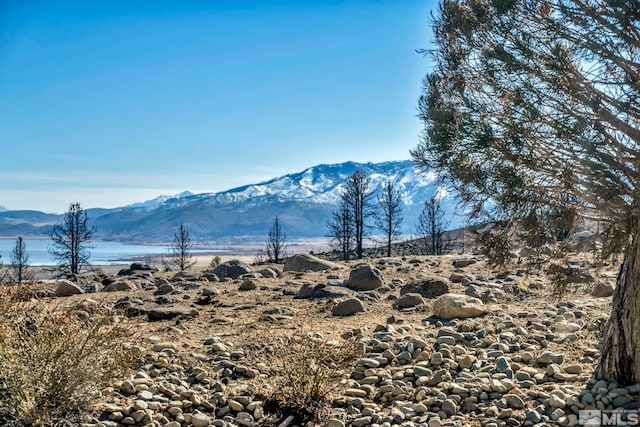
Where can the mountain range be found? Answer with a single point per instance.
(303, 202)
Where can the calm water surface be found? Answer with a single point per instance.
(102, 253)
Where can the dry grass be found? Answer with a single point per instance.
(53, 363)
(304, 372)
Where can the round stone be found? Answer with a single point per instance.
(140, 405)
(200, 420)
(449, 406)
(514, 401)
(502, 364)
(533, 416)
(145, 395)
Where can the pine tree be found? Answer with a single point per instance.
(389, 216)
(533, 101)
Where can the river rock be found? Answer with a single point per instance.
(323, 291)
(65, 288)
(305, 291)
(450, 306)
(307, 262)
(120, 286)
(484, 294)
(514, 401)
(409, 300)
(550, 357)
(269, 273)
(348, 307)
(200, 420)
(463, 262)
(248, 285)
(157, 314)
(429, 287)
(603, 290)
(233, 268)
(365, 278)
(164, 289)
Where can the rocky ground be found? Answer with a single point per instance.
(440, 340)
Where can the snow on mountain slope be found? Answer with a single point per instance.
(324, 183)
(316, 192)
(303, 201)
(159, 200)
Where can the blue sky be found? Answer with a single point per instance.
(112, 102)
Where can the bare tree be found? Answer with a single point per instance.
(180, 255)
(533, 100)
(20, 267)
(276, 243)
(431, 225)
(340, 230)
(357, 195)
(69, 240)
(389, 215)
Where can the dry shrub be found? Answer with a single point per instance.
(568, 279)
(53, 363)
(303, 374)
(215, 261)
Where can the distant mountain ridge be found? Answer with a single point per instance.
(158, 200)
(303, 201)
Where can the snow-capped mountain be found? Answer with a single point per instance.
(303, 202)
(159, 200)
(324, 183)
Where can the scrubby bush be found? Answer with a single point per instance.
(215, 261)
(303, 374)
(53, 363)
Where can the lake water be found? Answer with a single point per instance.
(102, 253)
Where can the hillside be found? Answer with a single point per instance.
(303, 201)
(412, 341)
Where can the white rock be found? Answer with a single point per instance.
(450, 306)
(200, 420)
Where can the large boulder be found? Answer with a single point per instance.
(409, 300)
(162, 313)
(65, 288)
(269, 273)
(184, 276)
(429, 287)
(305, 291)
(326, 291)
(348, 307)
(233, 268)
(138, 269)
(463, 262)
(306, 262)
(460, 278)
(123, 285)
(248, 285)
(320, 291)
(138, 266)
(164, 289)
(603, 290)
(484, 293)
(365, 278)
(210, 276)
(451, 306)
